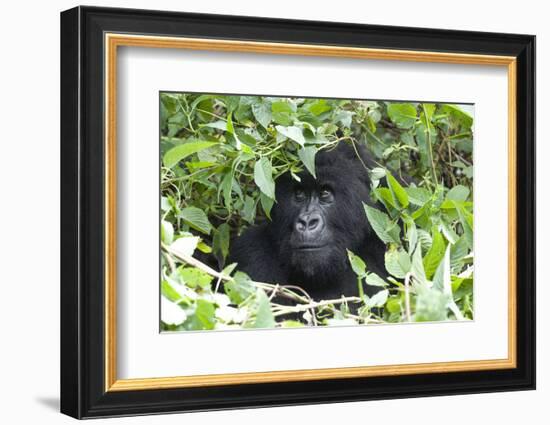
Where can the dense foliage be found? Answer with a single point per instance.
(221, 156)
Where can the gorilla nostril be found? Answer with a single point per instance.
(313, 223)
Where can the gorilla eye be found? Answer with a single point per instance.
(325, 194)
(299, 194)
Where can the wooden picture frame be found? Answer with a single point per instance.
(90, 39)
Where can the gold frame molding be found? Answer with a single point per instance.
(113, 41)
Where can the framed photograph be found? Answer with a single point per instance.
(261, 212)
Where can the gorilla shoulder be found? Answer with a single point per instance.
(256, 255)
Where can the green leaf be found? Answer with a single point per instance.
(183, 150)
(194, 277)
(458, 251)
(307, 156)
(205, 314)
(385, 195)
(403, 115)
(381, 224)
(458, 114)
(418, 195)
(466, 219)
(442, 282)
(357, 264)
(225, 187)
(267, 204)
(398, 263)
(185, 245)
(169, 292)
(398, 190)
(166, 232)
(197, 219)
(431, 305)
(249, 209)
(293, 133)
(319, 107)
(435, 254)
(417, 268)
(292, 324)
(458, 193)
(378, 299)
(263, 177)
(281, 112)
(262, 113)
(374, 280)
(220, 125)
(264, 315)
(220, 242)
(239, 288)
(231, 129)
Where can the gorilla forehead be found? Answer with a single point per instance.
(339, 168)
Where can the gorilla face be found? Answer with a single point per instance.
(317, 219)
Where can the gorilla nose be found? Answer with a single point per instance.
(310, 223)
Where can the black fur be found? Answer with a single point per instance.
(273, 252)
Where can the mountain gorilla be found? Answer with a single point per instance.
(313, 223)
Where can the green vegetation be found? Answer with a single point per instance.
(221, 156)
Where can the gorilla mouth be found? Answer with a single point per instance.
(309, 247)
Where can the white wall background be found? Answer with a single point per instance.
(29, 211)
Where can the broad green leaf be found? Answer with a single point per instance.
(403, 115)
(220, 125)
(385, 195)
(231, 129)
(458, 251)
(226, 187)
(262, 113)
(264, 315)
(397, 190)
(466, 219)
(183, 150)
(307, 156)
(185, 245)
(431, 305)
(398, 263)
(417, 267)
(267, 204)
(169, 291)
(293, 133)
(461, 116)
(281, 112)
(393, 305)
(205, 314)
(239, 288)
(263, 177)
(418, 195)
(357, 264)
(197, 219)
(374, 280)
(435, 254)
(166, 232)
(381, 224)
(220, 242)
(249, 209)
(458, 193)
(378, 299)
(449, 233)
(442, 282)
(319, 107)
(194, 277)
